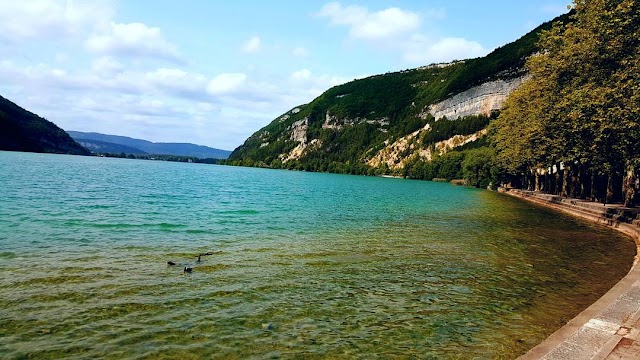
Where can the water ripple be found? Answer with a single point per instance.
(302, 265)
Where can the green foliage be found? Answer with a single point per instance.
(578, 106)
(581, 106)
(445, 129)
(384, 96)
(479, 167)
(449, 165)
(480, 143)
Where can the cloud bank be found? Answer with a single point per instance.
(394, 29)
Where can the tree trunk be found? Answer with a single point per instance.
(575, 189)
(629, 189)
(617, 180)
(545, 184)
(558, 181)
(566, 185)
(609, 191)
(585, 182)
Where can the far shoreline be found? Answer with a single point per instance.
(615, 339)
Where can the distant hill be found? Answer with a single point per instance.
(179, 149)
(104, 147)
(22, 130)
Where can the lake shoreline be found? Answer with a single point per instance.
(610, 327)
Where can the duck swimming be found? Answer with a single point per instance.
(187, 270)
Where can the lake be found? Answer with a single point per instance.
(303, 265)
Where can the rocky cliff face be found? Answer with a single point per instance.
(298, 134)
(396, 155)
(333, 122)
(478, 100)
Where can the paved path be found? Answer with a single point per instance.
(610, 328)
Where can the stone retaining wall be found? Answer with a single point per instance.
(610, 328)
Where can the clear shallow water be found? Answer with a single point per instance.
(338, 266)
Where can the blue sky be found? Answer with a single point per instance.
(214, 72)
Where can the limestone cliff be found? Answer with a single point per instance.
(397, 154)
(481, 99)
(298, 132)
(333, 122)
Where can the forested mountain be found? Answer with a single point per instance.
(137, 145)
(397, 122)
(22, 130)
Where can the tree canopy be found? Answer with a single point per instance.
(580, 106)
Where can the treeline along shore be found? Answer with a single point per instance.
(573, 128)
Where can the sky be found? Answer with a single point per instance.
(213, 72)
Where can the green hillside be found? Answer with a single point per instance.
(26, 131)
(350, 123)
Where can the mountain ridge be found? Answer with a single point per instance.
(103, 147)
(149, 147)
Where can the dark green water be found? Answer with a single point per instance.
(307, 265)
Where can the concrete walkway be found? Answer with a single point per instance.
(610, 328)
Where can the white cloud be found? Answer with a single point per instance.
(172, 77)
(41, 75)
(300, 52)
(252, 45)
(106, 65)
(133, 39)
(421, 50)
(457, 49)
(226, 83)
(309, 85)
(400, 32)
(364, 24)
(57, 20)
(300, 75)
(174, 82)
(50, 19)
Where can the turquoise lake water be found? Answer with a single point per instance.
(305, 265)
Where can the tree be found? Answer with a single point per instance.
(478, 167)
(580, 107)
